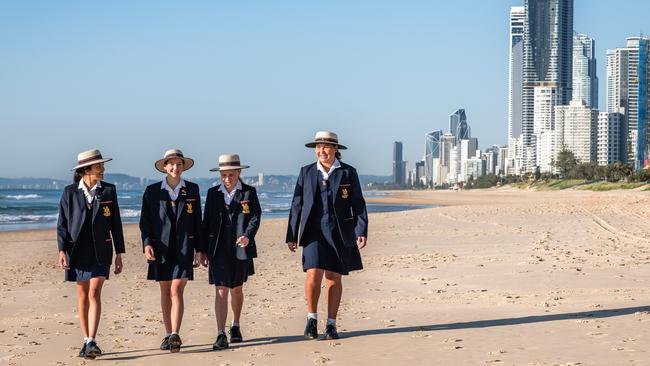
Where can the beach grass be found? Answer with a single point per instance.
(603, 186)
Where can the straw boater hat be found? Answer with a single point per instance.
(88, 158)
(170, 154)
(229, 162)
(326, 137)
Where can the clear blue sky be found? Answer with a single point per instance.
(258, 78)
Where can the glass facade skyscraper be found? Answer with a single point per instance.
(515, 84)
(548, 51)
(627, 93)
(432, 154)
(585, 81)
(458, 125)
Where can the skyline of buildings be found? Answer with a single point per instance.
(552, 103)
(559, 93)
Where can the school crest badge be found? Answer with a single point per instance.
(106, 211)
(345, 193)
(244, 206)
(189, 208)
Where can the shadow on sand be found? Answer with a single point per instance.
(595, 314)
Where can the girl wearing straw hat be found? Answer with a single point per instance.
(328, 219)
(170, 223)
(232, 217)
(88, 228)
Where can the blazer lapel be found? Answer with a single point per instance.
(180, 202)
(335, 182)
(316, 179)
(236, 198)
(81, 200)
(96, 201)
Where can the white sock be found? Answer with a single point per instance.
(90, 339)
(331, 321)
(312, 316)
(85, 339)
(174, 333)
(222, 332)
(234, 324)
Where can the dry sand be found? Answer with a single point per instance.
(503, 277)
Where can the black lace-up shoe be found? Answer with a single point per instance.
(165, 344)
(235, 334)
(220, 343)
(92, 350)
(311, 332)
(330, 332)
(82, 351)
(175, 343)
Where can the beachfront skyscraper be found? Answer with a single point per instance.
(548, 55)
(610, 141)
(546, 98)
(585, 81)
(399, 165)
(515, 84)
(432, 155)
(458, 125)
(628, 71)
(576, 130)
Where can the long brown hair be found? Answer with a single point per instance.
(79, 173)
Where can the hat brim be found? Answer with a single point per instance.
(313, 144)
(91, 163)
(187, 163)
(229, 167)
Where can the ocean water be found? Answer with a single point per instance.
(22, 209)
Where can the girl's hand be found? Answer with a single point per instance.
(63, 261)
(118, 264)
(198, 259)
(242, 241)
(148, 253)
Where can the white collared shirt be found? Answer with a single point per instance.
(323, 173)
(173, 192)
(228, 196)
(90, 195)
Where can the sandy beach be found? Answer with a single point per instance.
(504, 277)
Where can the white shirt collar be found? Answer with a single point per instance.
(173, 192)
(89, 194)
(322, 171)
(228, 196)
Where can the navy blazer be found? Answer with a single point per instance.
(106, 222)
(246, 216)
(155, 225)
(349, 205)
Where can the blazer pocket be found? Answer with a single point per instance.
(348, 219)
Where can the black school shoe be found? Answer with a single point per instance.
(82, 351)
(311, 330)
(220, 343)
(92, 350)
(330, 332)
(235, 334)
(165, 344)
(174, 343)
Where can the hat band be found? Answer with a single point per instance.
(230, 163)
(174, 155)
(84, 161)
(327, 140)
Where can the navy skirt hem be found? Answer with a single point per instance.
(230, 274)
(85, 273)
(169, 271)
